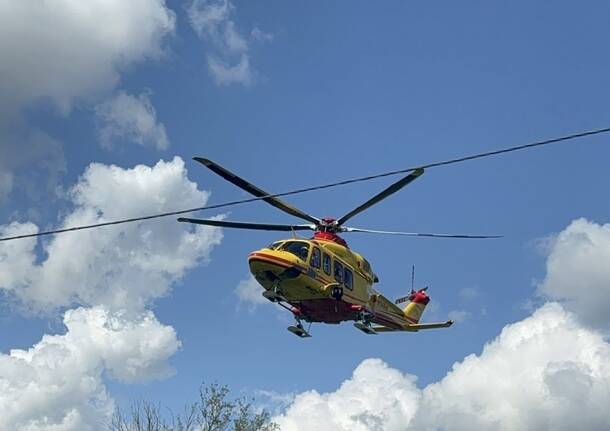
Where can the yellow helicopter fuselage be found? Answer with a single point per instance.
(326, 281)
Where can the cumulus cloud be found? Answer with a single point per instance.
(535, 375)
(376, 397)
(57, 384)
(250, 292)
(65, 51)
(227, 74)
(58, 54)
(121, 267)
(126, 117)
(229, 61)
(531, 377)
(115, 272)
(578, 272)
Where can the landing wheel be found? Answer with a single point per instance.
(299, 331)
(365, 327)
(364, 324)
(274, 295)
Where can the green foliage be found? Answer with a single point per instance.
(213, 411)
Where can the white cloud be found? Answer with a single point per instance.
(130, 118)
(376, 397)
(469, 293)
(122, 267)
(459, 316)
(225, 74)
(210, 18)
(534, 375)
(229, 61)
(258, 34)
(57, 384)
(578, 272)
(116, 271)
(250, 292)
(548, 371)
(64, 51)
(273, 402)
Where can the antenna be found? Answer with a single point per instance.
(409, 296)
(412, 278)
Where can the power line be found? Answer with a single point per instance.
(323, 186)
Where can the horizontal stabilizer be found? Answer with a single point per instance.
(402, 299)
(419, 326)
(414, 327)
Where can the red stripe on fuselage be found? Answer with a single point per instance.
(284, 262)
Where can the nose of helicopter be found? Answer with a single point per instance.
(273, 264)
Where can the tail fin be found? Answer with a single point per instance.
(414, 310)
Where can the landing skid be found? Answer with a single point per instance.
(366, 328)
(299, 331)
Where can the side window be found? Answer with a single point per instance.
(348, 277)
(315, 257)
(326, 264)
(338, 272)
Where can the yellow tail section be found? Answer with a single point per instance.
(414, 310)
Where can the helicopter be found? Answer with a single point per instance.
(321, 279)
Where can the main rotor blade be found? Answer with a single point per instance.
(253, 226)
(252, 189)
(430, 235)
(381, 196)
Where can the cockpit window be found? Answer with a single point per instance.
(298, 248)
(274, 245)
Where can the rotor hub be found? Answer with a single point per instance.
(328, 224)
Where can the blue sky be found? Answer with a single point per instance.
(309, 93)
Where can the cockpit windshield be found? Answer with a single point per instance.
(274, 245)
(299, 248)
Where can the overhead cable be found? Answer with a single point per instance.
(323, 186)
